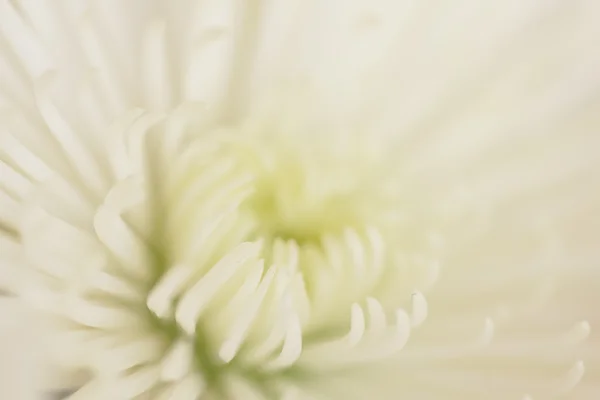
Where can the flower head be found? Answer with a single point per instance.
(224, 226)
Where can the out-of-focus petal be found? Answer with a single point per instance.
(23, 358)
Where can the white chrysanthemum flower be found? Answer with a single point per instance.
(304, 200)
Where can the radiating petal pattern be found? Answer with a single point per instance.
(305, 199)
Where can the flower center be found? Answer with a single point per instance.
(290, 204)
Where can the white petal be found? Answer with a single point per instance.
(195, 300)
(156, 78)
(23, 362)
